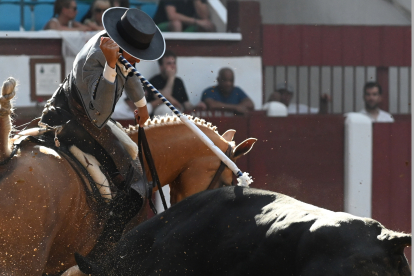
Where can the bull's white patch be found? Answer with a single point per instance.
(92, 166)
(48, 151)
(129, 145)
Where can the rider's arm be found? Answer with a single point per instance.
(135, 92)
(91, 80)
(97, 93)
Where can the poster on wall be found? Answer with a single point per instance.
(46, 75)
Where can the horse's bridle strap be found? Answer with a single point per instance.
(219, 171)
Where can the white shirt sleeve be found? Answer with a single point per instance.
(141, 103)
(109, 73)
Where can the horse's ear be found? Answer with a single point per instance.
(228, 135)
(244, 147)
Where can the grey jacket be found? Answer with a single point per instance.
(97, 94)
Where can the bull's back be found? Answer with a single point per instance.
(232, 226)
(244, 231)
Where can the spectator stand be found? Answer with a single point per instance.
(32, 15)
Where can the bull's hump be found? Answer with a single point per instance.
(288, 217)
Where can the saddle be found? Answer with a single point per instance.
(65, 114)
(99, 186)
(117, 206)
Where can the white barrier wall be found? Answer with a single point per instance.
(358, 165)
(198, 73)
(19, 68)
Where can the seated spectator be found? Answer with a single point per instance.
(372, 99)
(225, 96)
(183, 16)
(170, 86)
(94, 20)
(64, 13)
(284, 94)
(120, 3)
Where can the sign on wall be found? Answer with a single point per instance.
(45, 76)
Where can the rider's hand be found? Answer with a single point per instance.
(141, 115)
(110, 50)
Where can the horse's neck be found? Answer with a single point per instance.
(175, 147)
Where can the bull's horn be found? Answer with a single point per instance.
(395, 239)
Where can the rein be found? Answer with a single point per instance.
(143, 147)
(219, 171)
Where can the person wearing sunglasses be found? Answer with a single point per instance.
(64, 13)
(94, 21)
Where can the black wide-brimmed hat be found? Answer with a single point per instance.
(135, 32)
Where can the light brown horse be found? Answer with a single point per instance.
(45, 214)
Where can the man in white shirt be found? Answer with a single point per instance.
(372, 99)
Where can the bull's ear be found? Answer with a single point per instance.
(244, 147)
(229, 135)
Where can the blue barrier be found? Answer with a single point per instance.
(9, 17)
(149, 9)
(37, 13)
(83, 8)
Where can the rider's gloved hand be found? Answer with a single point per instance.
(110, 50)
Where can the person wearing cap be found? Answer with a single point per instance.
(284, 93)
(80, 108)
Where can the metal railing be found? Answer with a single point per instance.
(344, 84)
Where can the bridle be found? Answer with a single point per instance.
(144, 148)
(215, 181)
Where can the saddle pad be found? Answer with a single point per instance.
(129, 145)
(92, 165)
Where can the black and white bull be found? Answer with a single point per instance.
(245, 231)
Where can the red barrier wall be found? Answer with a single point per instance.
(391, 178)
(300, 156)
(336, 45)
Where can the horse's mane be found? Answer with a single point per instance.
(158, 121)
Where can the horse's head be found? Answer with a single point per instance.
(237, 151)
(183, 160)
(204, 172)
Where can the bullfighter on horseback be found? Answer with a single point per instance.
(81, 107)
